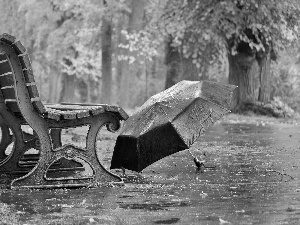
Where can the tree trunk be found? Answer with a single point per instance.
(68, 88)
(265, 73)
(173, 62)
(180, 68)
(106, 42)
(251, 74)
(129, 71)
(88, 90)
(54, 85)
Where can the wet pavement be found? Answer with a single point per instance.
(252, 177)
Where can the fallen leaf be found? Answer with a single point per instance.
(223, 221)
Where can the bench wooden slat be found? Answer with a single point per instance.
(97, 110)
(68, 107)
(70, 111)
(53, 115)
(8, 92)
(80, 110)
(32, 90)
(29, 77)
(39, 106)
(2, 56)
(7, 38)
(5, 67)
(12, 105)
(25, 62)
(82, 114)
(6, 80)
(18, 47)
(68, 115)
(3, 60)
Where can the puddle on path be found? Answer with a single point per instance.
(255, 181)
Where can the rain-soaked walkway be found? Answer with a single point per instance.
(255, 181)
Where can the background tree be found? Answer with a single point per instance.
(251, 32)
(122, 52)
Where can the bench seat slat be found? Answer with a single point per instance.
(68, 115)
(82, 114)
(81, 111)
(52, 114)
(70, 107)
(39, 106)
(98, 108)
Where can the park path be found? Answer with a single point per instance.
(253, 178)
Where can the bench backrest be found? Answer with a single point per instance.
(14, 59)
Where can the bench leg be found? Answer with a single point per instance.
(6, 139)
(10, 164)
(99, 176)
(56, 137)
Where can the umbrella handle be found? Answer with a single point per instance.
(191, 153)
(197, 162)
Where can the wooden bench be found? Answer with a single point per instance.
(20, 104)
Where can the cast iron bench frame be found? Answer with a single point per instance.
(20, 104)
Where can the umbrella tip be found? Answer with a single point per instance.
(198, 163)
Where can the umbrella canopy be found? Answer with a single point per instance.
(170, 121)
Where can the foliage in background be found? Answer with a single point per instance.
(144, 44)
(286, 78)
(253, 32)
(84, 65)
(58, 34)
(194, 24)
(63, 38)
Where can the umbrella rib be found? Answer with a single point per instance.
(208, 117)
(221, 106)
(172, 124)
(160, 106)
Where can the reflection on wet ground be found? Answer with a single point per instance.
(255, 181)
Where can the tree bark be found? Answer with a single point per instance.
(180, 68)
(106, 42)
(174, 68)
(264, 91)
(250, 71)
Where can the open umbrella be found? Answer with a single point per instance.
(170, 121)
